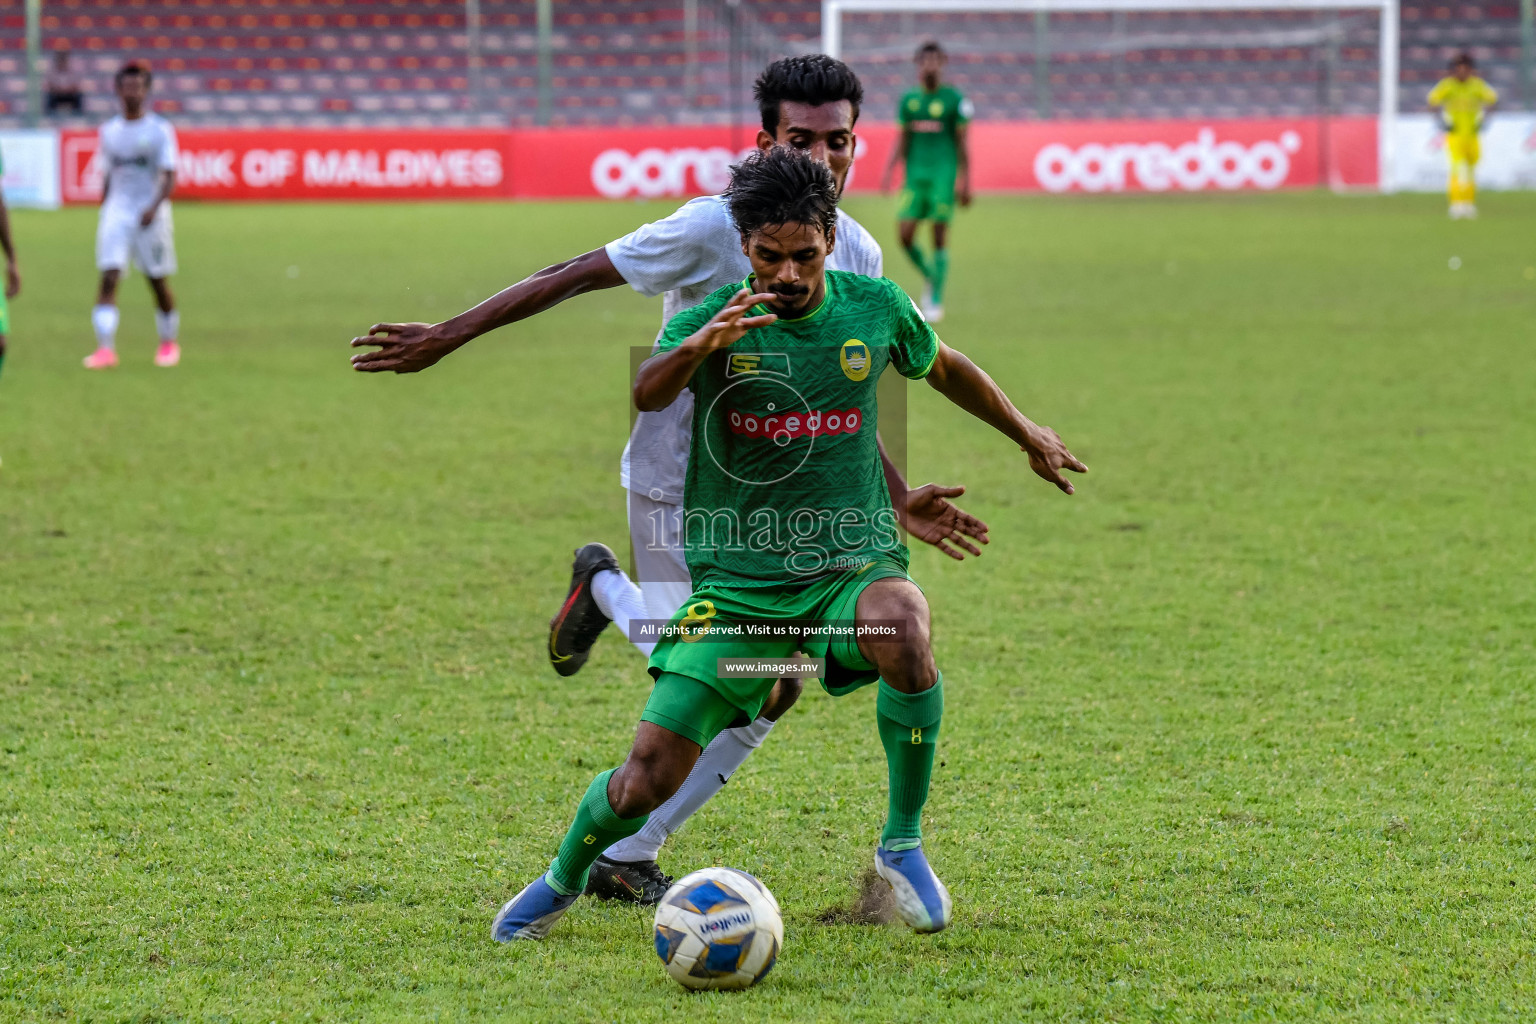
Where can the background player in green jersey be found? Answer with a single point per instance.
(789, 526)
(933, 122)
(12, 275)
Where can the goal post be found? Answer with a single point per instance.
(833, 13)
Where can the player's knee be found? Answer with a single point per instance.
(633, 790)
(647, 779)
(906, 660)
(909, 667)
(783, 696)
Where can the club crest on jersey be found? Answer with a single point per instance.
(755, 364)
(855, 358)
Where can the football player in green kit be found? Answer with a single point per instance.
(933, 122)
(788, 526)
(12, 275)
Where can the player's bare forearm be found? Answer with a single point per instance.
(663, 376)
(968, 386)
(167, 186)
(12, 274)
(927, 514)
(963, 165)
(407, 348)
(894, 481)
(5, 234)
(898, 157)
(589, 272)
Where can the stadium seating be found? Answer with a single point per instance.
(247, 63)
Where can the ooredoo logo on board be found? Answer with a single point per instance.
(655, 172)
(1201, 163)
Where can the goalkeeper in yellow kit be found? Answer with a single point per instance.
(1462, 100)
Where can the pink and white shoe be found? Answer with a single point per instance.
(168, 354)
(101, 359)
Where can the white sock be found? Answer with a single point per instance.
(716, 765)
(167, 324)
(104, 321)
(619, 599)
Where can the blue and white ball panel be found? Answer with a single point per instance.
(718, 929)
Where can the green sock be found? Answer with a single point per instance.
(940, 273)
(909, 732)
(915, 254)
(2, 361)
(595, 829)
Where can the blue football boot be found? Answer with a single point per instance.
(531, 913)
(921, 899)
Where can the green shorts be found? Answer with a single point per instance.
(928, 200)
(714, 621)
(690, 708)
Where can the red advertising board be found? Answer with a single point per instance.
(1103, 156)
(316, 165)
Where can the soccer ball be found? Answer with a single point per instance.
(718, 928)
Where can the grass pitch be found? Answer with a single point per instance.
(1243, 731)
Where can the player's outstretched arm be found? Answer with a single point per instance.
(963, 164)
(968, 386)
(663, 376)
(898, 157)
(12, 275)
(408, 348)
(926, 512)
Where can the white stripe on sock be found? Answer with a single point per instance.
(714, 767)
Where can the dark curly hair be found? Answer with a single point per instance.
(133, 67)
(781, 186)
(812, 78)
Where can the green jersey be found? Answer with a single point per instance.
(932, 121)
(784, 476)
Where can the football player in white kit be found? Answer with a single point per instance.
(810, 103)
(137, 151)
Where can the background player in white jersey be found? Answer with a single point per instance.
(138, 158)
(809, 103)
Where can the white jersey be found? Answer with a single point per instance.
(685, 257)
(133, 154)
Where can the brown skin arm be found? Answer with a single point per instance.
(411, 347)
(12, 275)
(927, 514)
(968, 386)
(898, 157)
(963, 164)
(664, 376)
(167, 185)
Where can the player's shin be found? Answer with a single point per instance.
(909, 732)
(595, 829)
(940, 274)
(168, 324)
(919, 259)
(104, 323)
(711, 771)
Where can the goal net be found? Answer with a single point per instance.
(1327, 69)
